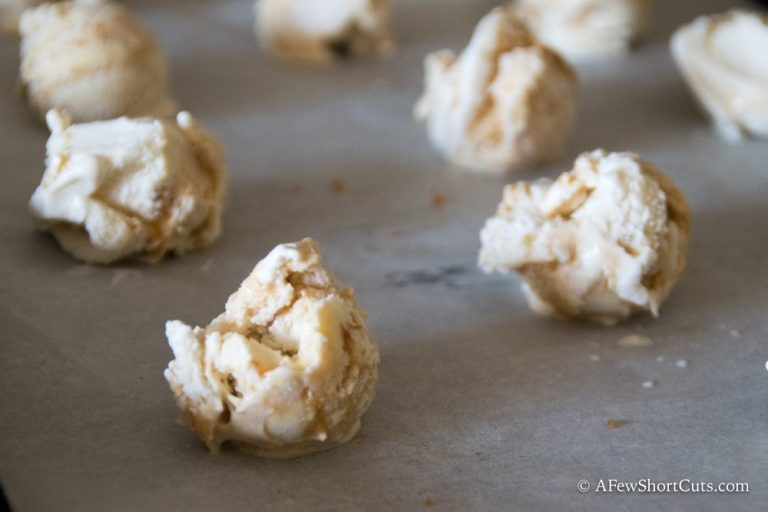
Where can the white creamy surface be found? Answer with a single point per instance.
(601, 242)
(93, 58)
(586, 29)
(505, 103)
(130, 188)
(320, 32)
(288, 369)
(724, 59)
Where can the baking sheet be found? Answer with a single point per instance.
(481, 404)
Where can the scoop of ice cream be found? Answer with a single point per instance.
(586, 29)
(321, 32)
(11, 10)
(130, 187)
(724, 59)
(601, 242)
(93, 58)
(288, 369)
(505, 103)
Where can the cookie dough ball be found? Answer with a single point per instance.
(586, 29)
(507, 102)
(93, 58)
(601, 242)
(130, 188)
(320, 32)
(724, 59)
(288, 369)
(11, 10)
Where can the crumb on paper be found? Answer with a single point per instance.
(79, 270)
(429, 502)
(338, 186)
(649, 384)
(634, 341)
(205, 268)
(120, 275)
(438, 201)
(615, 423)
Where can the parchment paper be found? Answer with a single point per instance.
(481, 405)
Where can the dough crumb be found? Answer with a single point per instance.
(438, 201)
(118, 276)
(634, 341)
(205, 268)
(338, 186)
